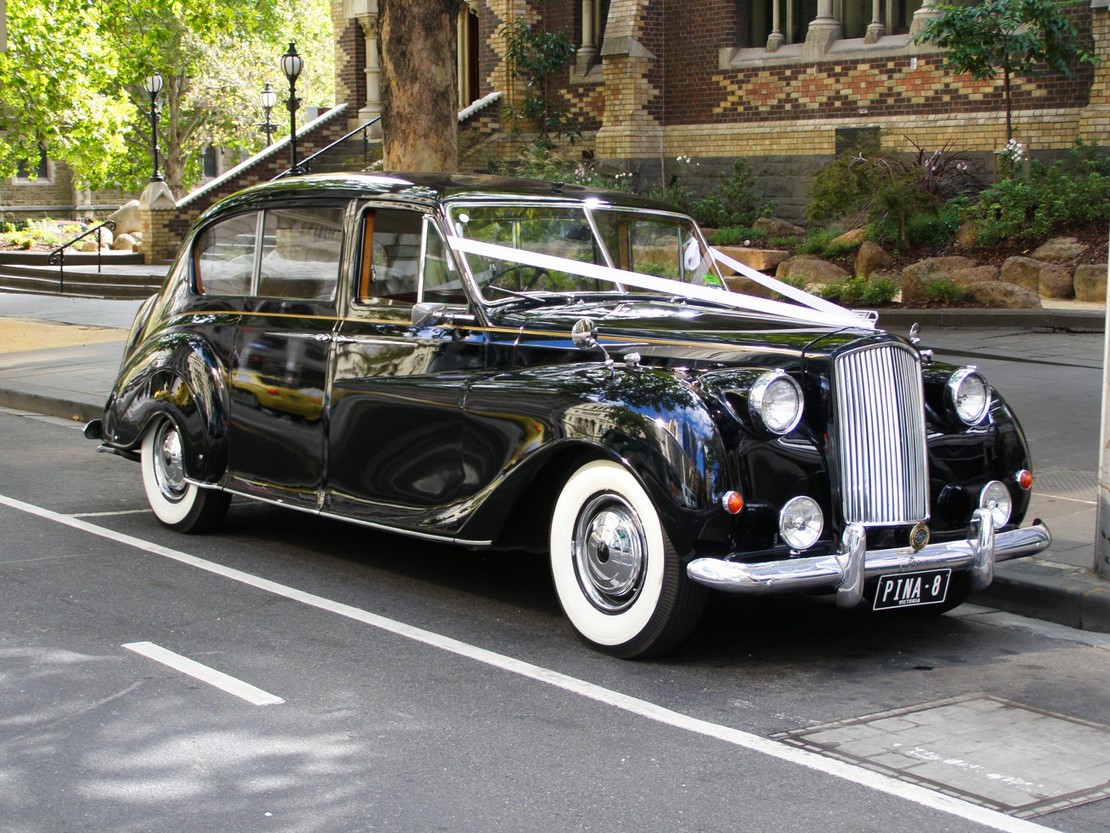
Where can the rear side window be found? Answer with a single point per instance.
(300, 253)
(279, 253)
(224, 256)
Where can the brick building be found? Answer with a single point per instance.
(781, 83)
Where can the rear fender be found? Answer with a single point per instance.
(178, 376)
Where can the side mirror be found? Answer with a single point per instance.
(428, 314)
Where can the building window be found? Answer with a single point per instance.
(773, 23)
(40, 172)
(591, 36)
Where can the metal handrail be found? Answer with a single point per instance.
(305, 165)
(58, 255)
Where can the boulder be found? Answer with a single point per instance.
(974, 274)
(762, 260)
(1056, 281)
(1090, 282)
(917, 277)
(774, 227)
(1024, 271)
(848, 240)
(127, 218)
(1049, 280)
(747, 286)
(1059, 250)
(810, 269)
(1001, 295)
(967, 235)
(872, 258)
(125, 243)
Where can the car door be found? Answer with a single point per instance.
(279, 367)
(395, 426)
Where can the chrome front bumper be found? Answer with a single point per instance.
(847, 570)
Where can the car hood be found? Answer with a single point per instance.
(666, 329)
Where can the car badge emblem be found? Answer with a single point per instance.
(919, 537)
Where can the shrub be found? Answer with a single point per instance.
(734, 202)
(888, 189)
(872, 291)
(1075, 190)
(820, 242)
(944, 291)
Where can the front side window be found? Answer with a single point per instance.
(648, 243)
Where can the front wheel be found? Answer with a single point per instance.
(619, 579)
(178, 504)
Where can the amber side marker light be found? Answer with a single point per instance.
(1024, 479)
(732, 502)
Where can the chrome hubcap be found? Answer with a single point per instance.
(169, 468)
(610, 553)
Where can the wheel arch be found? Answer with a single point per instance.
(178, 377)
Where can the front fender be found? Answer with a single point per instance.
(176, 375)
(650, 419)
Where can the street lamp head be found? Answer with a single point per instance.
(268, 98)
(153, 83)
(292, 63)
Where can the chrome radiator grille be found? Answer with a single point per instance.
(880, 433)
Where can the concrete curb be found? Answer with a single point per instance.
(1065, 595)
(1064, 320)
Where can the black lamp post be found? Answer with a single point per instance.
(291, 65)
(268, 98)
(153, 85)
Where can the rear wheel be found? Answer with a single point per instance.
(619, 579)
(178, 504)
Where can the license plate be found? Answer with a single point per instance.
(912, 589)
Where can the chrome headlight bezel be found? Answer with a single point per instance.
(968, 396)
(995, 497)
(764, 402)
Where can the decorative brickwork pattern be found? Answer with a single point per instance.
(890, 87)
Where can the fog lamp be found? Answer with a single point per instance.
(995, 498)
(801, 522)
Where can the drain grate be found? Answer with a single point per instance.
(989, 751)
(1067, 483)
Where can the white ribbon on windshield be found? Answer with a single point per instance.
(816, 312)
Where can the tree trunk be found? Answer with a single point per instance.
(419, 92)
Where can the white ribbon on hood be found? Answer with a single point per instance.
(814, 312)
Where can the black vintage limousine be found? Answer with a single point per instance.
(534, 366)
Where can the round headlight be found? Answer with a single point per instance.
(775, 401)
(995, 498)
(801, 522)
(969, 395)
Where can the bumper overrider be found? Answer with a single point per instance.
(847, 570)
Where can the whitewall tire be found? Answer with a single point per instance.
(618, 578)
(178, 504)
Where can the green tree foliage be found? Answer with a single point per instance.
(57, 92)
(1011, 37)
(86, 61)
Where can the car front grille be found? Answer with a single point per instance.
(880, 434)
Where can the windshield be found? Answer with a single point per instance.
(656, 244)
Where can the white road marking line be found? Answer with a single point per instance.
(633, 705)
(110, 514)
(204, 673)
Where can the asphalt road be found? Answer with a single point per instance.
(402, 686)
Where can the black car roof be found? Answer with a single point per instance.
(422, 188)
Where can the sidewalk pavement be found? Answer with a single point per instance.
(1049, 367)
